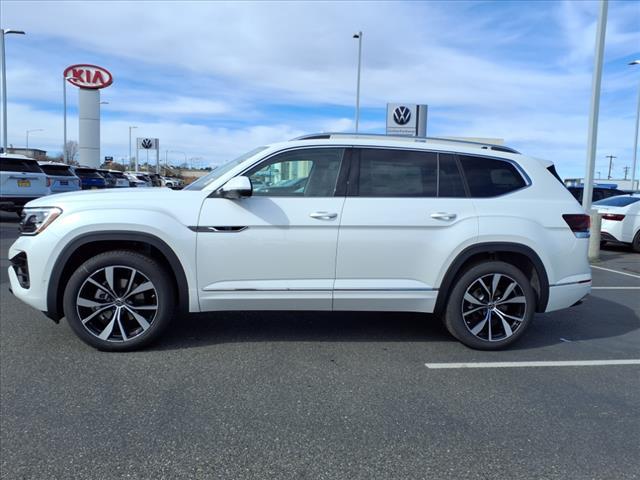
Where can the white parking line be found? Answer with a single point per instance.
(579, 363)
(616, 271)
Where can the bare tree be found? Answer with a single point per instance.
(71, 148)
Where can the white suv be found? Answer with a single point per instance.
(21, 180)
(477, 234)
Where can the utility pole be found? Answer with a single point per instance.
(610, 157)
(626, 172)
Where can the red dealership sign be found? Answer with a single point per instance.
(88, 76)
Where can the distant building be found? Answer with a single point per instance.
(35, 153)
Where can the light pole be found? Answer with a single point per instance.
(33, 130)
(359, 37)
(587, 192)
(3, 66)
(65, 153)
(130, 128)
(635, 141)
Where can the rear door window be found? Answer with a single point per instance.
(397, 173)
(19, 165)
(490, 177)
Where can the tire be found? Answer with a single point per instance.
(119, 300)
(479, 327)
(635, 245)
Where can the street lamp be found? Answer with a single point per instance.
(3, 67)
(635, 141)
(359, 37)
(33, 130)
(130, 128)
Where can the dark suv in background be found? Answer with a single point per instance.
(599, 193)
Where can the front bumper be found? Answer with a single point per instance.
(31, 289)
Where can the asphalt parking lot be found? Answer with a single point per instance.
(309, 395)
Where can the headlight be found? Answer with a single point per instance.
(34, 220)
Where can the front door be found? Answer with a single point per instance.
(275, 250)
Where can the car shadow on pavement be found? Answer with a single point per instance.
(595, 318)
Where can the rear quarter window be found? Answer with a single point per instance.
(489, 177)
(81, 172)
(19, 165)
(59, 170)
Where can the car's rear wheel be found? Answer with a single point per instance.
(490, 306)
(119, 300)
(635, 245)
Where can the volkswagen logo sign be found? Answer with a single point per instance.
(402, 115)
(146, 143)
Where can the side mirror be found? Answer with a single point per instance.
(237, 187)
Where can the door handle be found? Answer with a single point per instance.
(444, 216)
(323, 215)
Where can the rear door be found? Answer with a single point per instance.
(405, 212)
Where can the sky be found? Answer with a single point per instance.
(212, 80)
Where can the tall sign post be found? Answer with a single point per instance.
(89, 79)
(587, 192)
(148, 144)
(406, 119)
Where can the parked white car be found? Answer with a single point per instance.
(480, 235)
(134, 181)
(620, 220)
(140, 178)
(21, 180)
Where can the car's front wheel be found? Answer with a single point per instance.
(119, 300)
(490, 306)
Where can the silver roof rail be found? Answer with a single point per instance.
(327, 135)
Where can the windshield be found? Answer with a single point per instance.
(617, 201)
(221, 170)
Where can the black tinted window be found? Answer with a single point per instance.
(61, 170)
(87, 173)
(618, 201)
(397, 173)
(488, 177)
(19, 165)
(449, 179)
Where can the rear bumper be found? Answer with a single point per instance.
(567, 295)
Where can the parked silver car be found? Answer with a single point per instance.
(60, 177)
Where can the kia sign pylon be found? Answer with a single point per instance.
(89, 79)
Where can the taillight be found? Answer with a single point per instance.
(616, 217)
(49, 181)
(578, 223)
